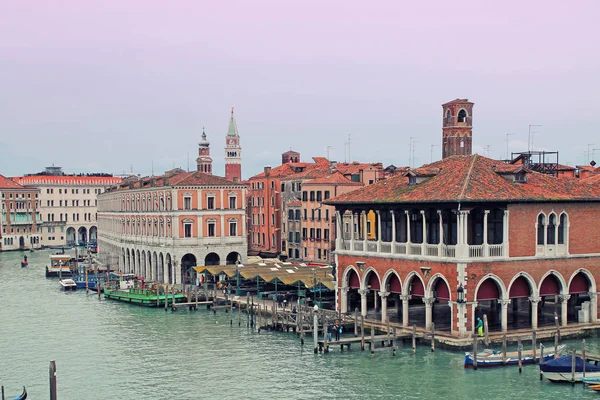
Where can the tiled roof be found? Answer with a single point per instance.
(66, 180)
(192, 178)
(562, 167)
(309, 174)
(471, 179)
(593, 179)
(423, 171)
(321, 160)
(356, 167)
(6, 183)
(460, 101)
(336, 178)
(296, 203)
(280, 171)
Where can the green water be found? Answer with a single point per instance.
(110, 350)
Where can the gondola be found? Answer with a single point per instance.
(23, 395)
(24, 263)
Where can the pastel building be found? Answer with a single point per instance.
(19, 216)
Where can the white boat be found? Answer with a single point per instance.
(68, 284)
(561, 369)
(494, 358)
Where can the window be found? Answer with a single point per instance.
(324, 254)
(368, 227)
(282, 187)
(319, 254)
(232, 202)
(312, 233)
(462, 116)
(346, 227)
(272, 219)
(272, 201)
(297, 215)
(412, 180)
(312, 195)
(264, 242)
(304, 230)
(290, 214)
(327, 194)
(305, 252)
(327, 213)
(210, 204)
(304, 214)
(312, 214)
(551, 229)
(326, 234)
(299, 186)
(187, 228)
(212, 229)
(187, 203)
(319, 196)
(541, 222)
(233, 228)
(272, 185)
(561, 228)
(273, 240)
(318, 214)
(318, 233)
(448, 117)
(304, 196)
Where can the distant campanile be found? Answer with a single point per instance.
(233, 152)
(457, 128)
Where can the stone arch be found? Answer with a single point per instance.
(389, 281)
(559, 278)
(82, 236)
(161, 268)
(588, 275)
(144, 272)
(187, 262)
(434, 282)
(346, 275)
(366, 283)
(71, 236)
(502, 294)
(155, 276)
(408, 290)
(128, 261)
(93, 234)
(533, 291)
(212, 259)
(462, 115)
(581, 290)
(233, 258)
(170, 276)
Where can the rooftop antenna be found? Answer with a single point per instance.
(152, 167)
(349, 157)
(431, 152)
(589, 153)
(530, 138)
(188, 155)
(507, 136)
(131, 169)
(329, 148)
(593, 151)
(487, 150)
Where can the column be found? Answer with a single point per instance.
(344, 299)
(378, 231)
(534, 311)
(339, 233)
(363, 301)
(424, 225)
(384, 296)
(407, 229)
(564, 298)
(375, 305)
(405, 299)
(364, 229)
(441, 234)
(593, 306)
(466, 228)
(505, 241)
(352, 231)
(485, 234)
(393, 231)
(428, 308)
(504, 313)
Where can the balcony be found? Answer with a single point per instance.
(420, 250)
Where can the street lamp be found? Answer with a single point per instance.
(460, 294)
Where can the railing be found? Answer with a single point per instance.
(372, 246)
(359, 246)
(432, 250)
(476, 251)
(345, 245)
(496, 250)
(385, 247)
(415, 249)
(400, 248)
(449, 251)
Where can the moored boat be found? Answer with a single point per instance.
(561, 369)
(22, 396)
(143, 297)
(494, 358)
(60, 265)
(68, 284)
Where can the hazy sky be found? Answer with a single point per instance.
(104, 85)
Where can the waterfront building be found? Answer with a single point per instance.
(233, 152)
(20, 216)
(159, 227)
(67, 205)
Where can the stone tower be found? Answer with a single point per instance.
(233, 152)
(457, 128)
(204, 161)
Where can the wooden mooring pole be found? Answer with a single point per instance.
(372, 341)
(414, 339)
(355, 322)
(519, 354)
(541, 360)
(555, 343)
(485, 330)
(52, 380)
(504, 349)
(557, 325)
(432, 337)
(362, 332)
(231, 312)
(316, 331)
(573, 358)
(475, 351)
(583, 355)
(2, 392)
(534, 346)
(239, 307)
(87, 289)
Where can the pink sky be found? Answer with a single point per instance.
(116, 83)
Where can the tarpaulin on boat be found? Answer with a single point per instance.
(563, 364)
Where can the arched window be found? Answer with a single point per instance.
(550, 238)
(462, 116)
(541, 221)
(562, 226)
(448, 117)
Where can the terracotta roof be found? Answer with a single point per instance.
(321, 160)
(356, 167)
(280, 171)
(309, 174)
(562, 167)
(66, 180)
(296, 203)
(586, 168)
(291, 152)
(460, 101)
(422, 171)
(192, 178)
(592, 179)
(471, 179)
(6, 183)
(336, 178)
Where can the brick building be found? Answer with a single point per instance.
(19, 217)
(519, 244)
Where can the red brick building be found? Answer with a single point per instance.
(521, 245)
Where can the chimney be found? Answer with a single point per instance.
(267, 170)
(332, 166)
(165, 181)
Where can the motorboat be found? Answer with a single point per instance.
(494, 358)
(561, 369)
(68, 284)
(60, 265)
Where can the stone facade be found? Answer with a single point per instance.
(19, 217)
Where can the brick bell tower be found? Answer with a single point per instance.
(457, 128)
(204, 161)
(233, 152)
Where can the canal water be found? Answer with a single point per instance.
(109, 350)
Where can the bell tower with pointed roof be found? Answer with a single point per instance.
(204, 161)
(233, 152)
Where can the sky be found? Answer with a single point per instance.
(119, 86)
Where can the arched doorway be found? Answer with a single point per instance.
(487, 295)
(579, 289)
(161, 268)
(22, 243)
(520, 312)
(155, 275)
(372, 286)
(93, 235)
(143, 265)
(352, 282)
(550, 303)
(71, 236)
(169, 269)
(415, 308)
(82, 236)
(150, 270)
(441, 313)
(188, 261)
(212, 259)
(232, 258)
(393, 286)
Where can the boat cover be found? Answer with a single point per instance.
(563, 364)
